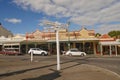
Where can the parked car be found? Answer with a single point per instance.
(75, 52)
(38, 51)
(10, 52)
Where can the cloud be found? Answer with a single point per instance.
(105, 28)
(45, 22)
(13, 20)
(81, 12)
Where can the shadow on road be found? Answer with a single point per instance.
(55, 73)
(50, 76)
(23, 71)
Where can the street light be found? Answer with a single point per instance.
(68, 36)
(57, 26)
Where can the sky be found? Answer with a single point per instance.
(22, 16)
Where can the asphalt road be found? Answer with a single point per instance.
(110, 63)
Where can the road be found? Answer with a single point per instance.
(110, 63)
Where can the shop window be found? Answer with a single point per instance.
(98, 48)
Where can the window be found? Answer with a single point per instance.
(98, 47)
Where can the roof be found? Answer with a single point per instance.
(105, 36)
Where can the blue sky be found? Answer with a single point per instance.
(21, 16)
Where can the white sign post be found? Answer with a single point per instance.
(58, 50)
(31, 56)
(57, 26)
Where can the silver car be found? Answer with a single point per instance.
(37, 51)
(75, 52)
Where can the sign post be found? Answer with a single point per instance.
(58, 50)
(56, 27)
(31, 56)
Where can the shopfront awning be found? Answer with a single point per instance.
(33, 41)
(81, 39)
(7, 44)
(110, 43)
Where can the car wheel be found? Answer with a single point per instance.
(43, 54)
(82, 54)
(70, 54)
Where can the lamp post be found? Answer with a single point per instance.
(58, 50)
(68, 44)
(57, 26)
(68, 40)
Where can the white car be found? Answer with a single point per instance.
(75, 52)
(37, 51)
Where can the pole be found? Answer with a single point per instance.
(116, 49)
(58, 51)
(110, 50)
(31, 56)
(101, 50)
(68, 39)
(56, 26)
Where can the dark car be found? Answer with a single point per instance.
(9, 52)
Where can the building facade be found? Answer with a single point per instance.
(11, 43)
(108, 46)
(83, 39)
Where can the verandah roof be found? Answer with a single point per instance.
(81, 39)
(110, 43)
(33, 41)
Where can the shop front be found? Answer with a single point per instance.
(109, 48)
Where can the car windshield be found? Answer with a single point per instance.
(74, 50)
(38, 49)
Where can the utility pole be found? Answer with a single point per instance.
(58, 50)
(56, 27)
(68, 39)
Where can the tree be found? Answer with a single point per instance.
(115, 34)
(97, 34)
